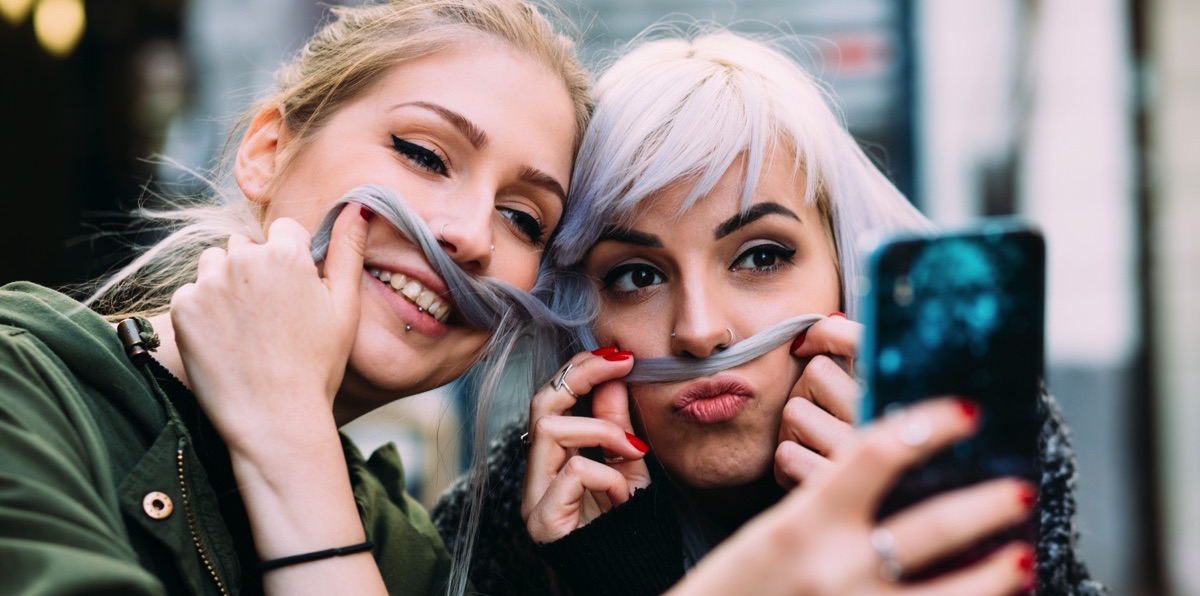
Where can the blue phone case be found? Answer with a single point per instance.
(960, 313)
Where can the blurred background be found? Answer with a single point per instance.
(1081, 115)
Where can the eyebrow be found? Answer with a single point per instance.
(536, 177)
(474, 134)
(755, 212)
(630, 237)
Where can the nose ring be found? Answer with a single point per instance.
(442, 232)
(730, 342)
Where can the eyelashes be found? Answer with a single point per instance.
(422, 157)
(526, 224)
(628, 279)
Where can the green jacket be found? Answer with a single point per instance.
(101, 488)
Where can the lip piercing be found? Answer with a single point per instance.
(408, 327)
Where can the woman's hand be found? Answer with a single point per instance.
(565, 490)
(264, 336)
(819, 419)
(819, 541)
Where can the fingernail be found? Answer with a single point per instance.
(619, 356)
(1026, 563)
(838, 314)
(969, 409)
(365, 212)
(605, 351)
(637, 443)
(1027, 495)
(799, 341)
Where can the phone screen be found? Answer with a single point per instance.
(960, 314)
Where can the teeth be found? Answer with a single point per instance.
(426, 300)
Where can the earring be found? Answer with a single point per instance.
(672, 335)
(493, 248)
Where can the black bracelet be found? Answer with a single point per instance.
(315, 556)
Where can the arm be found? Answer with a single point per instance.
(251, 301)
(818, 540)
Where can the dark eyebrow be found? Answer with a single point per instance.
(745, 218)
(541, 179)
(474, 134)
(630, 237)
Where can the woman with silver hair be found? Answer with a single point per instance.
(717, 203)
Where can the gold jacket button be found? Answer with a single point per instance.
(157, 505)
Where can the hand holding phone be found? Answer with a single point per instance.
(960, 314)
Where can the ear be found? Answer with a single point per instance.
(260, 154)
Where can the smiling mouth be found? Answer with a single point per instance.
(426, 300)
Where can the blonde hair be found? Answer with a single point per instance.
(344, 59)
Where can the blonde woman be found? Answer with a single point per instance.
(130, 462)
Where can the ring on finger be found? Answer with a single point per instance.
(884, 544)
(561, 381)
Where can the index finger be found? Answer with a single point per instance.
(835, 335)
(892, 445)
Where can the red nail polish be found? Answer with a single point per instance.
(1026, 561)
(365, 212)
(637, 443)
(605, 351)
(969, 409)
(619, 356)
(1027, 495)
(799, 341)
(838, 314)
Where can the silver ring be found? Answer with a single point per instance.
(442, 231)
(561, 381)
(884, 544)
(730, 342)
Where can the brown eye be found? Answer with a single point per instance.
(764, 257)
(632, 277)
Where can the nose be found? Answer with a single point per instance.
(701, 326)
(467, 238)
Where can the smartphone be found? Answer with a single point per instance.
(960, 313)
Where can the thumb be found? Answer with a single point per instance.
(344, 259)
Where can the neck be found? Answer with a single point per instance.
(730, 507)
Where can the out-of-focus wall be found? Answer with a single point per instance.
(1028, 107)
(1174, 170)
